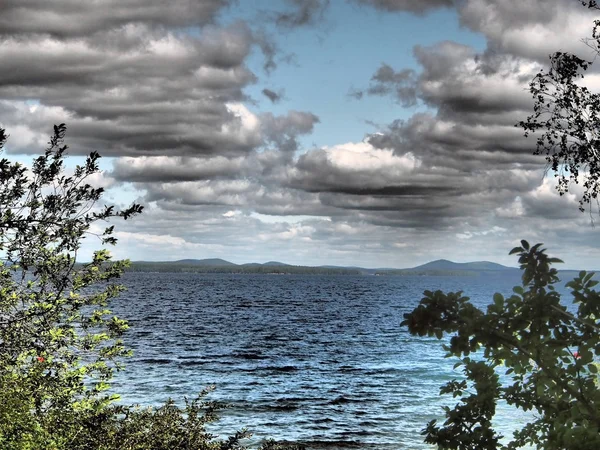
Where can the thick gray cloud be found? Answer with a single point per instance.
(528, 28)
(67, 18)
(219, 174)
(467, 151)
(133, 90)
(158, 169)
(413, 6)
(134, 85)
(241, 194)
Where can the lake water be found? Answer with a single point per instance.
(317, 359)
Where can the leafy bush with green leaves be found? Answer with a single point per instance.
(546, 351)
(59, 342)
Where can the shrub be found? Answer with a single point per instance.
(545, 350)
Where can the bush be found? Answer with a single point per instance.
(546, 351)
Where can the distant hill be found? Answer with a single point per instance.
(202, 262)
(275, 263)
(267, 264)
(217, 265)
(444, 267)
(444, 264)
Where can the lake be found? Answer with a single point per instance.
(317, 359)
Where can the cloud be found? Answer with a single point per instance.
(528, 28)
(302, 12)
(65, 18)
(386, 81)
(163, 89)
(283, 131)
(151, 169)
(139, 90)
(471, 156)
(134, 90)
(275, 97)
(418, 7)
(351, 167)
(132, 85)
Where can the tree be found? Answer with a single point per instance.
(59, 343)
(567, 114)
(545, 349)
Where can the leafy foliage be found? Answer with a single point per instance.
(546, 351)
(566, 113)
(59, 342)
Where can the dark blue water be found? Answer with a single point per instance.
(317, 359)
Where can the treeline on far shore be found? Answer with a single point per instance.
(241, 269)
(176, 267)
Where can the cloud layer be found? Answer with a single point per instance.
(164, 90)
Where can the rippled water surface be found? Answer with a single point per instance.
(317, 359)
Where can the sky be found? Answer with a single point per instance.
(375, 133)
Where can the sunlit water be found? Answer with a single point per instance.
(316, 359)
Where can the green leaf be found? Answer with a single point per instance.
(518, 290)
(499, 301)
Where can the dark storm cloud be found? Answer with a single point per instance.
(455, 145)
(136, 90)
(219, 132)
(405, 177)
(279, 133)
(275, 97)
(68, 18)
(414, 6)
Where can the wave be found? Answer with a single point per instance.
(249, 355)
(341, 400)
(154, 361)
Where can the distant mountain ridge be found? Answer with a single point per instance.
(438, 267)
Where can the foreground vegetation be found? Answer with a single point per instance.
(544, 348)
(59, 342)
